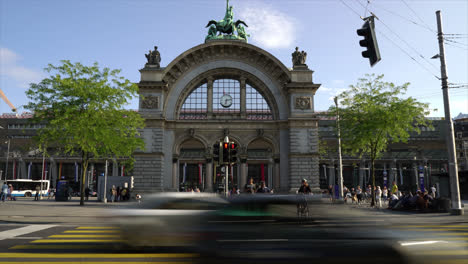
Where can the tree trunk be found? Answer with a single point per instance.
(83, 178)
(373, 182)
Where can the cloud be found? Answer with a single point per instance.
(10, 68)
(267, 26)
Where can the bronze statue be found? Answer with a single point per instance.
(227, 26)
(299, 57)
(153, 57)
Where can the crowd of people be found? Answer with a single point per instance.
(7, 190)
(392, 197)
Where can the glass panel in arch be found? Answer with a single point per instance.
(256, 106)
(195, 106)
(227, 88)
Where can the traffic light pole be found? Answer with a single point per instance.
(226, 171)
(453, 167)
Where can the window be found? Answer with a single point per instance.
(195, 105)
(228, 91)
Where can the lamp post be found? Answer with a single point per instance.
(105, 184)
(8, 155)
(340, 164)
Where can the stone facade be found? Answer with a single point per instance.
(281, 146)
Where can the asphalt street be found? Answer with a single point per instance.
(64, 232)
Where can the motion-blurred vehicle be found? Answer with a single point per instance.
(252, 229)
(167, 219)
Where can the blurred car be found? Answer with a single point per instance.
(166, 219)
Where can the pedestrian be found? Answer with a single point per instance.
(138, 198)
(330, 192)
(305, 188)
(378, 195)
(38, 189)
(385, 194)
(359, 194)
(250, 187)
(87, 193)
(4, 191)
(70, 192)
(394, 188)
(263, 188)
(113, 193)
(433, 191)
(118, 194)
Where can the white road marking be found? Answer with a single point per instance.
(12, 233)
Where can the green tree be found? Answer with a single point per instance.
(373, 114)
(82, 107)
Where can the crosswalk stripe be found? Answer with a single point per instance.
(98, 255)
(92, 231)
(34, 246)
(76, 241)
(97, 227)
(82, 236)
(22, 231)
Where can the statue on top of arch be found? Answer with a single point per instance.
(226, 27)
(299, 58)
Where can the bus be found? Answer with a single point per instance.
(27, 188)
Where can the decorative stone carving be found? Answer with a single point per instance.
(303, 103)
(154, 58)
(150, 102)
(260, 132)
(191, 132)
(299, 58)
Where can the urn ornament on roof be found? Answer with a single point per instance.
(225, 28)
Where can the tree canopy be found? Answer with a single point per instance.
(82, 107)
(373, 114)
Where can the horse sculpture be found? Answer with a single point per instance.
(227, 26)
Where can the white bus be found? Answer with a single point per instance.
(27, 188)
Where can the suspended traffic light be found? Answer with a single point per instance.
(369, 41)
(232, 152)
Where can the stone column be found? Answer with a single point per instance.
(209, 93)
(89, 175)
(276, 175)
(362, 172)
(115, 168)
(415, 171)
(331, 173)
(54, 174)
(393, 174)
(243, 97)
(23, 170)
(243, 178)
(209, 176)
(175, 174)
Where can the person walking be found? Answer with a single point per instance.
(394, 188)
(87, 193)
(305, 188)
(250, 186)
(385, 194)
(378, 195)
(38, 189)
(4, 191)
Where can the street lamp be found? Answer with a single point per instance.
(340, 164)
(8, 155)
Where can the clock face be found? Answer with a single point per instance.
(226, 100)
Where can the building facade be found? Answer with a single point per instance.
(227, 88)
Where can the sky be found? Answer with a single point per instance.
(118, 33)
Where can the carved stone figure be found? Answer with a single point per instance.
(153, 57)
(150, 102)
(303, 103)
(299, 57)
(227, 26)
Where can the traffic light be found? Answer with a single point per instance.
(225, 152)
(369, 41)
(232, 152)
(216, 152)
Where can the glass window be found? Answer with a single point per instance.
(256, 106)
(228, 87)
(195, 105)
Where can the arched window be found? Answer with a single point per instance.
(226, 102)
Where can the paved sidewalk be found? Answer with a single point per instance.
(26, 210)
